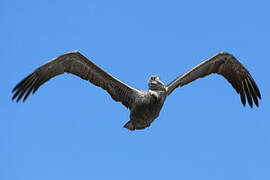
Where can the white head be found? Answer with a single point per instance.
(154, 83)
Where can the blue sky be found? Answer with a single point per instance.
(71, 129)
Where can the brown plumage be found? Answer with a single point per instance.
(144, 106)
(229, 67)
(75, 63)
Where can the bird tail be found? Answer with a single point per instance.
(129, 125)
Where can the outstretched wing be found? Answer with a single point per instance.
(229, 67)
(77, 64)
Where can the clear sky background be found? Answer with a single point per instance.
(71, 129)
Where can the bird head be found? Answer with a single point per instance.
(154, 83)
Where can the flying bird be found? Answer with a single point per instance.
(144, 105)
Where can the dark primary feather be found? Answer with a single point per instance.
(229, 67)
(77, 64)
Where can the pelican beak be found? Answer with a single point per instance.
(165, 88)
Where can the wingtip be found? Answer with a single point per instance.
(14, 96)
(13, 90)
(259, 95)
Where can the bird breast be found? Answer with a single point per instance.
(147, 107)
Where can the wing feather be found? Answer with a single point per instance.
(229, 67)
(77, 64)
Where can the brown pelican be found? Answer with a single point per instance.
(144, 105)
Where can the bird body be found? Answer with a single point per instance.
(144, 105)
(146, 109)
